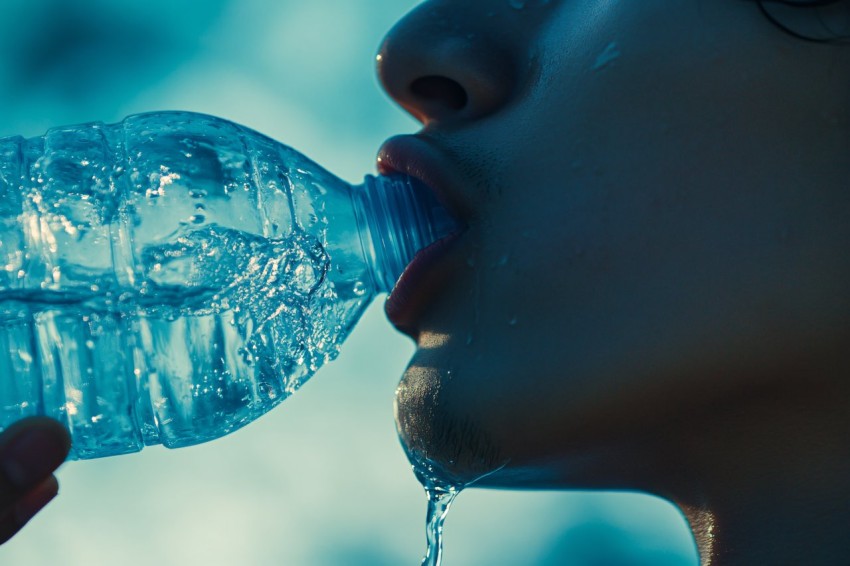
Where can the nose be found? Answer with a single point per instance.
(446, 66)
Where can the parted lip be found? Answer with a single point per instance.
(419, 157)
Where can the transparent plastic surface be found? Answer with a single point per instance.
(171, 278)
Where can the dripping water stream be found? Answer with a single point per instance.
(441, 489)
(439, 502)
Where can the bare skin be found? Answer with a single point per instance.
(30, 450)
(652, 291)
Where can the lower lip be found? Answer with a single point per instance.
(412, 286)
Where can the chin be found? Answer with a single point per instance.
(448, 441)
(437, 434)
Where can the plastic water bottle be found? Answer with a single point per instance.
(171, 278)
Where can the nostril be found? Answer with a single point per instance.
(441, 90)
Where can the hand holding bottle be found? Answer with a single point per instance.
(30, 450)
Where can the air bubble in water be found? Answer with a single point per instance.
(517, 4)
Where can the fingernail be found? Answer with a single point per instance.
(31, 457)
(34, 502)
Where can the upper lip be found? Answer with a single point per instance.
(420, 158)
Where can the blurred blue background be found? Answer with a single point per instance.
(321, 480)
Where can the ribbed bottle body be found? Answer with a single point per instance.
(167, 279)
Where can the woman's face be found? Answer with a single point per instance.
(656, 199)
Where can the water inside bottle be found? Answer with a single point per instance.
(222, 326)
(167, 279)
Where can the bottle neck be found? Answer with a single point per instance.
(397, 216)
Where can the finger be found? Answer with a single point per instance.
(26, 508)
(29, 451)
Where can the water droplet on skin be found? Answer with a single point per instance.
(503, 260)
(520, 4)
(610, 54)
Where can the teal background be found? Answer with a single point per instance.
(322, 479)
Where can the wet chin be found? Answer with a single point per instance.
(436, 434)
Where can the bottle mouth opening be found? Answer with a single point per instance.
(401, 216)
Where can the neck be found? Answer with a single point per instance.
(784, 530)
(769, 480)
